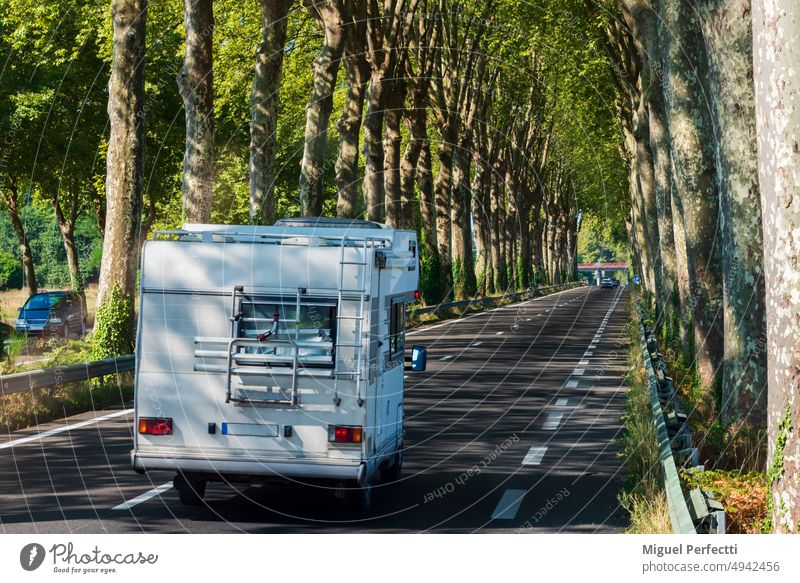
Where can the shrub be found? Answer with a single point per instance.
(744, 496)
(114, 329)
(10, 271)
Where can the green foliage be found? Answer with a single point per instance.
(17, 343)
(10, 271)
(431, 283)
(114, 332)
(47, 247)
(776, 466)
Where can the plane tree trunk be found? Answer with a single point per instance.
(196, 86)
(9, 198)
(692, 143)
(777, 87)
(66, 218)
(114, 323)
(727, 28)
(331, 15)
(349, 125)
(264, 103)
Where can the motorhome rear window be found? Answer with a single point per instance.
(313, 330)
(397, 324)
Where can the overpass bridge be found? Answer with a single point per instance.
(600, 268)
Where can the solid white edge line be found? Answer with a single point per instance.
(57, 430)
(143, 497)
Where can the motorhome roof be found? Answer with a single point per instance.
(316, 235)
(329, 223)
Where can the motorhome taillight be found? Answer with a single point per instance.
(155, 425)
(344, 434)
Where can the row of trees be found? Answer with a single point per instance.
(483, 124)
(709, 152)
(490, 94)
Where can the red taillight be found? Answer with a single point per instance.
(155, 425)
(416, 294)
(344, 434)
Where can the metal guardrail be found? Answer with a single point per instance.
(48, 377)
(492, 300)
(689, 512)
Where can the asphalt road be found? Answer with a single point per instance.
(511, 429)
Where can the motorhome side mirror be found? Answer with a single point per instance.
(419, 358)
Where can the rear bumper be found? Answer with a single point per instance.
(277, 468)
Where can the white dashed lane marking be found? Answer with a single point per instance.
(552, 421)
(534, 455)
(144, 497)
(509, 505)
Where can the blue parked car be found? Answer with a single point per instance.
(59, 313)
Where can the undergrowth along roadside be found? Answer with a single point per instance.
(642, 494)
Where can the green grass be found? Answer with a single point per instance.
(642, 493)
(30, 408)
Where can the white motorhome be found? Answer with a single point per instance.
(274, 353)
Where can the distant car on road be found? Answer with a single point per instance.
(57, 313)
(615, 282)
(606, 282)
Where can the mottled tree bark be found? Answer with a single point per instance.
(264, 103)
(388, 31)
(196, 86)
(331, 15)
(776, 54)
(498, 226)
(641, 19)
(349, 124)
(125, 160)
(481, 211)
(416, 117)
(647, 192)
(692, 143)
(729, 41)
(373, 148)
(9, 197)
(393, 116)
(66, 219)
(464, 278)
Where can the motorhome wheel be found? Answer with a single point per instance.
(191, 489)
